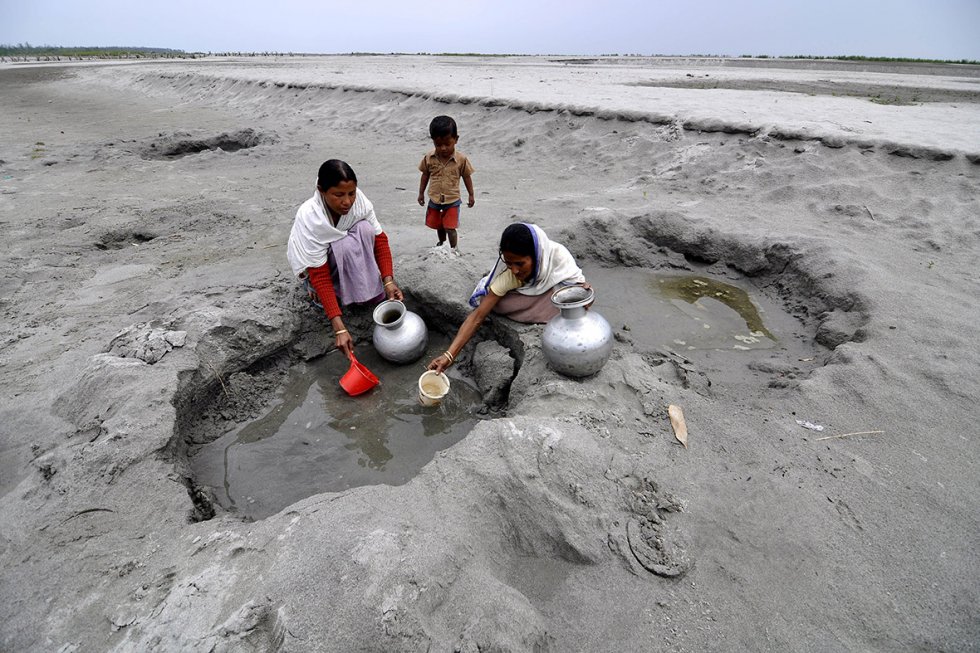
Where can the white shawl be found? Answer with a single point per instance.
(554, 265)
(312, 233)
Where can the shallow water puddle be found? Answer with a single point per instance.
(315, 438)
(688, 312)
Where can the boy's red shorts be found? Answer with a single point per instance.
(443, 216)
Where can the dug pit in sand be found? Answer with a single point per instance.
(314, 438)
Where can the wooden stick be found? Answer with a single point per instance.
(846, 435)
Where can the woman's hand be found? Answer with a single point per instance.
(392, 291)
(588, 286)
(439, 364)
(341, 338)
(344, 343)
(421, 199)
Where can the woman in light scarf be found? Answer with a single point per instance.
(519, 286)
(338, 249)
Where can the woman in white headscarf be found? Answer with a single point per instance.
(339, 250)
(519, 286)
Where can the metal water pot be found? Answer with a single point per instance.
(399, 335)
(576, 342)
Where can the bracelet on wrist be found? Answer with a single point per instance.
(449, 357)
(337, 333)
(390, 282)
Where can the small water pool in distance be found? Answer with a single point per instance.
(692, 312)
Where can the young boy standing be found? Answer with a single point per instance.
(441, 169)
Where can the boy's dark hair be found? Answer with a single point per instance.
(333, 172)
(517, 239)
(442, 126)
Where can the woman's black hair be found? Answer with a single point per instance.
(517, 239)
(333, 172)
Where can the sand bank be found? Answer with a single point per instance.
(156, 198)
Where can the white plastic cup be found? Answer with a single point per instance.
(433, 386)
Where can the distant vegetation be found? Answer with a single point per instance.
(856, 57)
(26, 52)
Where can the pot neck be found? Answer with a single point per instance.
(394, 324)
(385, 309)
(573, 312)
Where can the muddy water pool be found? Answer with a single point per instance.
(315, 438)
(688, 313)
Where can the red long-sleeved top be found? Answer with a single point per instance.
(322, 282)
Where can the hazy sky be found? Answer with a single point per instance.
(933, 29)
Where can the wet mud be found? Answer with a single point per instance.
(175, 146)
(315, 438)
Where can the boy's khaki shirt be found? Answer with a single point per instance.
(444, 178)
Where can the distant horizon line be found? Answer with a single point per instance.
(26, 49)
